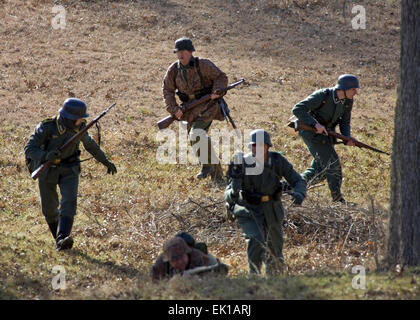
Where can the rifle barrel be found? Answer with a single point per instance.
(298, 125)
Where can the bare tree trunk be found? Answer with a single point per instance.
(404, 225)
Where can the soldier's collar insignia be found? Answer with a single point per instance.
(61, 128)
(335, 98)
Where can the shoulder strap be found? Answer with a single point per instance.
(197, 67)
(327, 93)
(176, 70)
(274, 159)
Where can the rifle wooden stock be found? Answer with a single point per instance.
(77, 136)
(166, 122)
(298, 125)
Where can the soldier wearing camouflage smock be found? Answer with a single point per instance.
(325, 109)
(191, 78)
(43, 145)
(179, 257)
(253, 197)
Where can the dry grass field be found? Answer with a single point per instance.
(118, 51)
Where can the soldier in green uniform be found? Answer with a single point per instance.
(253, 197)
(325, 109)
(43, 145)
(191, 78)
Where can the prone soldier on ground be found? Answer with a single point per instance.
(182, 255)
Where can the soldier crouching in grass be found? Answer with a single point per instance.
(43, 146)
(180, 258)
(253, 197)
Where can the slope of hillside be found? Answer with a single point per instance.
(118, 51)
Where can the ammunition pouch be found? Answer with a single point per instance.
(182, 96)
(333, 140)
(284, 187)
(71, 161)
(254, 198)
(277, 194)
(197, 94)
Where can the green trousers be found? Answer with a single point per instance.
(67, 179)
(263, 232)
(325, 165)
(194, 130)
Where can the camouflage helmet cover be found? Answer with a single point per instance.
(183, 44)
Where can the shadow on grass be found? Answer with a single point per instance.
(21, 286)
(222, 288)
(108, 265)
(7, 294)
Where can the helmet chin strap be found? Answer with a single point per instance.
(345, 95)
(71, 124)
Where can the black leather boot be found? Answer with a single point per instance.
(53, 228)
(217, 173)
(63, 240)
(206, 170)
(338, 197)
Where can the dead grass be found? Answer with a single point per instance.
(118, 51)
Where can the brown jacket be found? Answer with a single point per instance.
(212, 76)
(161, 269)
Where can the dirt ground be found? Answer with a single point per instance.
(118, 51)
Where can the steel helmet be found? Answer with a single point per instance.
(183, 44)
(73, 109)
(346, 82)
(260, 135)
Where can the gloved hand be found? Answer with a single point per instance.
(297, 198)
(237, 171)
(111, 167)
(53, 156)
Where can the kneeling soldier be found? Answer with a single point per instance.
(254, 199)
(43, 145)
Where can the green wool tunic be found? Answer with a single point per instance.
(324, 107)
(49, 135)
(262, 223)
